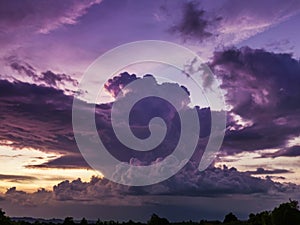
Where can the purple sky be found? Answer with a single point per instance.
(251, 47)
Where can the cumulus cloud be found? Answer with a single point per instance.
(22, 198)
(214, 182)
(210, 191)
(229, 22)
(188, 182)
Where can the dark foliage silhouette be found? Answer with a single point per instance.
(285, 214)
(230, 218)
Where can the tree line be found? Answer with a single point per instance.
(285, 214)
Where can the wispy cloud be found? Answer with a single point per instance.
(41, 16)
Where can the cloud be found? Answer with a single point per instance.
(227, 23)
(95, 190)
(188, 182)
(293, 151)
(48, 78)
(240, 20)
(41, 16)
(222, 185)
(213, 182)
(193, 24)
(117, 83)
(45, 114)
(40, 117)
(65, 162)
(24, 24)
(16, 178)
(261, 171)
(36, 117)
(262, 88)
(24, 199)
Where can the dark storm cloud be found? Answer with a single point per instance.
(36, 117)
(193, 23)
(263, 89)
(142, 113)
(39, 117)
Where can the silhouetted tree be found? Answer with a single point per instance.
(68, 221)
(130, 222)
(286, 214)
(83, 221)
(99, 222)
(263, 218)
(4, 219)
(156, 220)
(230, 217)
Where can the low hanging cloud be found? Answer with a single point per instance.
(24, 199)
(214, 182)
(189, 182)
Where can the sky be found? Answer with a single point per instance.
(252, 51)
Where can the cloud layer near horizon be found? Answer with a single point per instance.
(214, 182)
